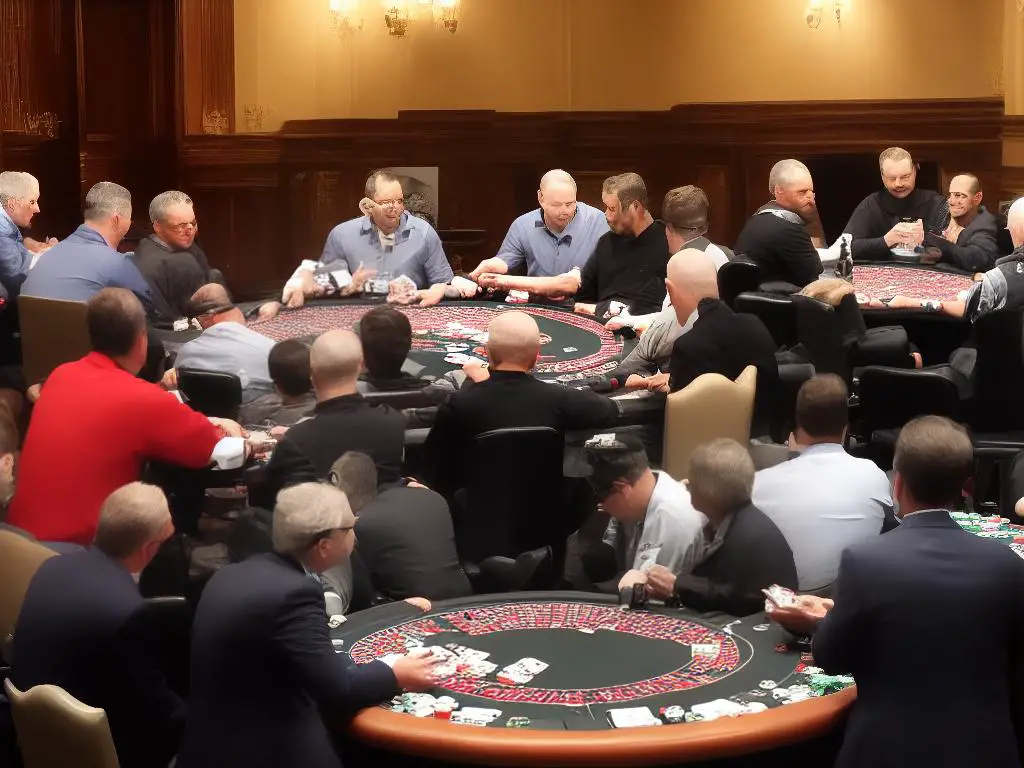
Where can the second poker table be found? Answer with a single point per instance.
(573, 346)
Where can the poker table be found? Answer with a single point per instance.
(599, 658)
(572, 346)
(935, 334)
(992, 527)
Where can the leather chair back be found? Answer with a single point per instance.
(212, 393)
(709, 407)
(998, 372)
(53, 332)
(778, 313)
(821, 330)
(20, 558)
(890, 397)
(412, 398)
(515, 498)
(735, 277)
(56, 729)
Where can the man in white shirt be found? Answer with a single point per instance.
(653, 521)
(824, 500)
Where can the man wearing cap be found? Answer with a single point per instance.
(226, 344)
(653, 521)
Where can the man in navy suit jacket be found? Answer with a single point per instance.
(264, 672)
(80, 628)
(929, 619)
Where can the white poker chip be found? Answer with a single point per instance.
(762, 627)
(767, 684)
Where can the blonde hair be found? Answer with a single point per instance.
(896, 154)
(830, 290)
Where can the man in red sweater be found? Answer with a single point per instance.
(95, 425)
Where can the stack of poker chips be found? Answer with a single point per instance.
(822, 684)
(517, 297)
(425, 705)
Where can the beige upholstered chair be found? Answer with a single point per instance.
(53, 332)
(710, 406)
(56, 730)
(19, 561)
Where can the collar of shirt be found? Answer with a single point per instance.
(565, 236)
(156, 240)
(8, 226)
(822, 448)
(405, 224)
(340, 403)
(87, 233)
(716, 540)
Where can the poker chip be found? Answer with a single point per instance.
(767, 684)
(673, 714)
(517, 722)
(762, 627)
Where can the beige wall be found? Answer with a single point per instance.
(543, 55)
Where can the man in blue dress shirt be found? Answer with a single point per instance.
(19, 202)
(87, 260)
(387, 242)
(555, 242)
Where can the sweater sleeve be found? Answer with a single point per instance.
(177, 435)
(867, 245)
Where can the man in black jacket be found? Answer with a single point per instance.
(970, 240)
(342, 421)
(264, 672)
(745, 551)
(508, 395)
(720, 340)
(775, 237)
(404, 535)
(928, 578)
(897, 217)
(81, 628)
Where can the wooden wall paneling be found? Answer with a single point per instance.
(208, 66)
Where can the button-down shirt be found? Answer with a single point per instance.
(416, 253)
(15, 258)
(823, 501)
(231, 347)
(82, 265)
(548, 254)
(671, 533)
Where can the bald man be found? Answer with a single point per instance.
(970, 239)
(555, 242)
(343, 420)
(226, 344)
(776, 237)
(719, 340)
(508, 396)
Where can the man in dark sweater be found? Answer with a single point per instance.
(404, 534)
(720, 340)
(507, 395)
(170, 259)
(342, 421)
(970, 239)
(896, 218)
(628, 265)
(775, 237)
(386, 335)
(745, 551)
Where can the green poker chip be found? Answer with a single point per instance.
(518, 722)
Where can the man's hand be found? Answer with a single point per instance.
(802, 618)
(658, 382)
(931, 255)
(419, 602)
(294, 296)
(269, 310)
(904, 233)
(494, 265)
(490, 281)
(411, 483)
(170, 379)
(661, 582)
(34, 392)
(230, 428)
(431, 296)
(415, 673)
(476, 371)
(632, 577)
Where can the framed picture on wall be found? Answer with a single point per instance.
(419, 185)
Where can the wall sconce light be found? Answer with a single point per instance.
(840, 8)
(346, 16)
(396, 17)
(446, 15)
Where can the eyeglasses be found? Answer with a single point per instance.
(326, 534)
(390, 203)
(185, 226)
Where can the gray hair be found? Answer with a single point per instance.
(305, 510)
(784, 173)
(17, 185)
(131, 517)
(722, 472)
(107, 199)
(163, 201)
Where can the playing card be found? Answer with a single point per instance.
(712, 710)
(705, 649)
(457, 358)
(632, 717)
(531, 665)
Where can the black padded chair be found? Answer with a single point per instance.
(413, 398)
(735, 277)
(168, 626)
(821, 332)
(514, 501)
(212, 393)
(530, 571)
(778, 313)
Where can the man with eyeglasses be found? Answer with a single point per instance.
(894, 220)
(386, 243)
(970, 239)
(265, 675)
(170, 259)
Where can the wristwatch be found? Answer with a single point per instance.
(931, 305)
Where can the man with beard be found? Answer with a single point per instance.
(775, 237)
(894, 220)
(970, 240)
